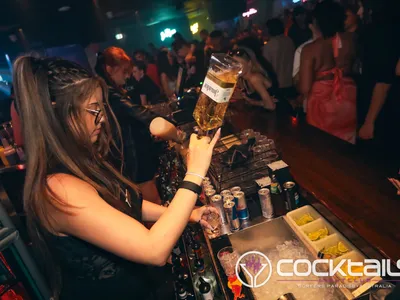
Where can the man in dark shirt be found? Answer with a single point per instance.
(143, 90)
(379, 90)
(193, 58)
(299, 31)
(204, 36)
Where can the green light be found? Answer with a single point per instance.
(201, 82)
(167, 33)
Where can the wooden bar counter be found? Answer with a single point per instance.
(348, 180)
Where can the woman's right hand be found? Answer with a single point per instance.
(200, 153)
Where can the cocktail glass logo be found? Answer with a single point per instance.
(257, 266)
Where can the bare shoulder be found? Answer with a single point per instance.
(257, 78)
(70, 189)
(309, 49)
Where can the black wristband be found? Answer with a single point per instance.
(195, 188)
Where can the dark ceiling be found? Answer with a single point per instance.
(82, 21)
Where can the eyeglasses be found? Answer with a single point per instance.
(238, 52)
(98, 113)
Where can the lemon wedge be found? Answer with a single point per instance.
(342, 248)
(314, 236)
(323, 233)
(307, 218)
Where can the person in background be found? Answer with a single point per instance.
(253, 79)
(299, 31)
(137, 124)
(379, 106)
(177, 37)
(151, 67)
(217, 44)
(168, 68)
(84, 218)
(153, 52)
(352, 22)
(316, 34)
(255, 45)
(193, 58)
(301, 101)
(287, 20)
(146, 91)
(325, 69)
(279, 51)
(203, 36)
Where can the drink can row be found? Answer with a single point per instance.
(209, 192)
(241, 205)
(217, 202)
(231, 215)
(225, 193)
(235, 189)
(266, 203)
(291, 196)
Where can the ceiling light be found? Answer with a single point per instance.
(119, 36)
(64, 8)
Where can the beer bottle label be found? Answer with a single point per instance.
(274, 188)
(216, 89)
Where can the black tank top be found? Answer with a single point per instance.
(89, 272)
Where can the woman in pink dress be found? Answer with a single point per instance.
(325, 70)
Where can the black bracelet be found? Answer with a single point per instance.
(195, 188)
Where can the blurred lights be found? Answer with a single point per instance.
(250, 12)
(119, 36)
(194, 28)
(167, 33)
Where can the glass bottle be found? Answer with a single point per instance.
(205, 290)
(275, 186)
(205, 273)
(217, 89)
(198, 253)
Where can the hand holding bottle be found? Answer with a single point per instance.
(200, 153)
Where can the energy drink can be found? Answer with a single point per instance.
(231, 215)
(235, 189)
(217, 202)
(291, 195)
(225, 193)
(229, 198)
(266, 203)
(241, 205)
(209, 193)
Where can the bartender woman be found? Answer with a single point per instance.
(140, 151)
(84, 217)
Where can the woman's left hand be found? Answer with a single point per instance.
(200, 214)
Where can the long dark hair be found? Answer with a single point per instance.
(50, 93)
(165, 67)
(330, 17)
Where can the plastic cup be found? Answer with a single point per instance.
(228, 258)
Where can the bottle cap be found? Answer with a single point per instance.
(199, 264)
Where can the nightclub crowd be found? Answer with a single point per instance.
(336, 65)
